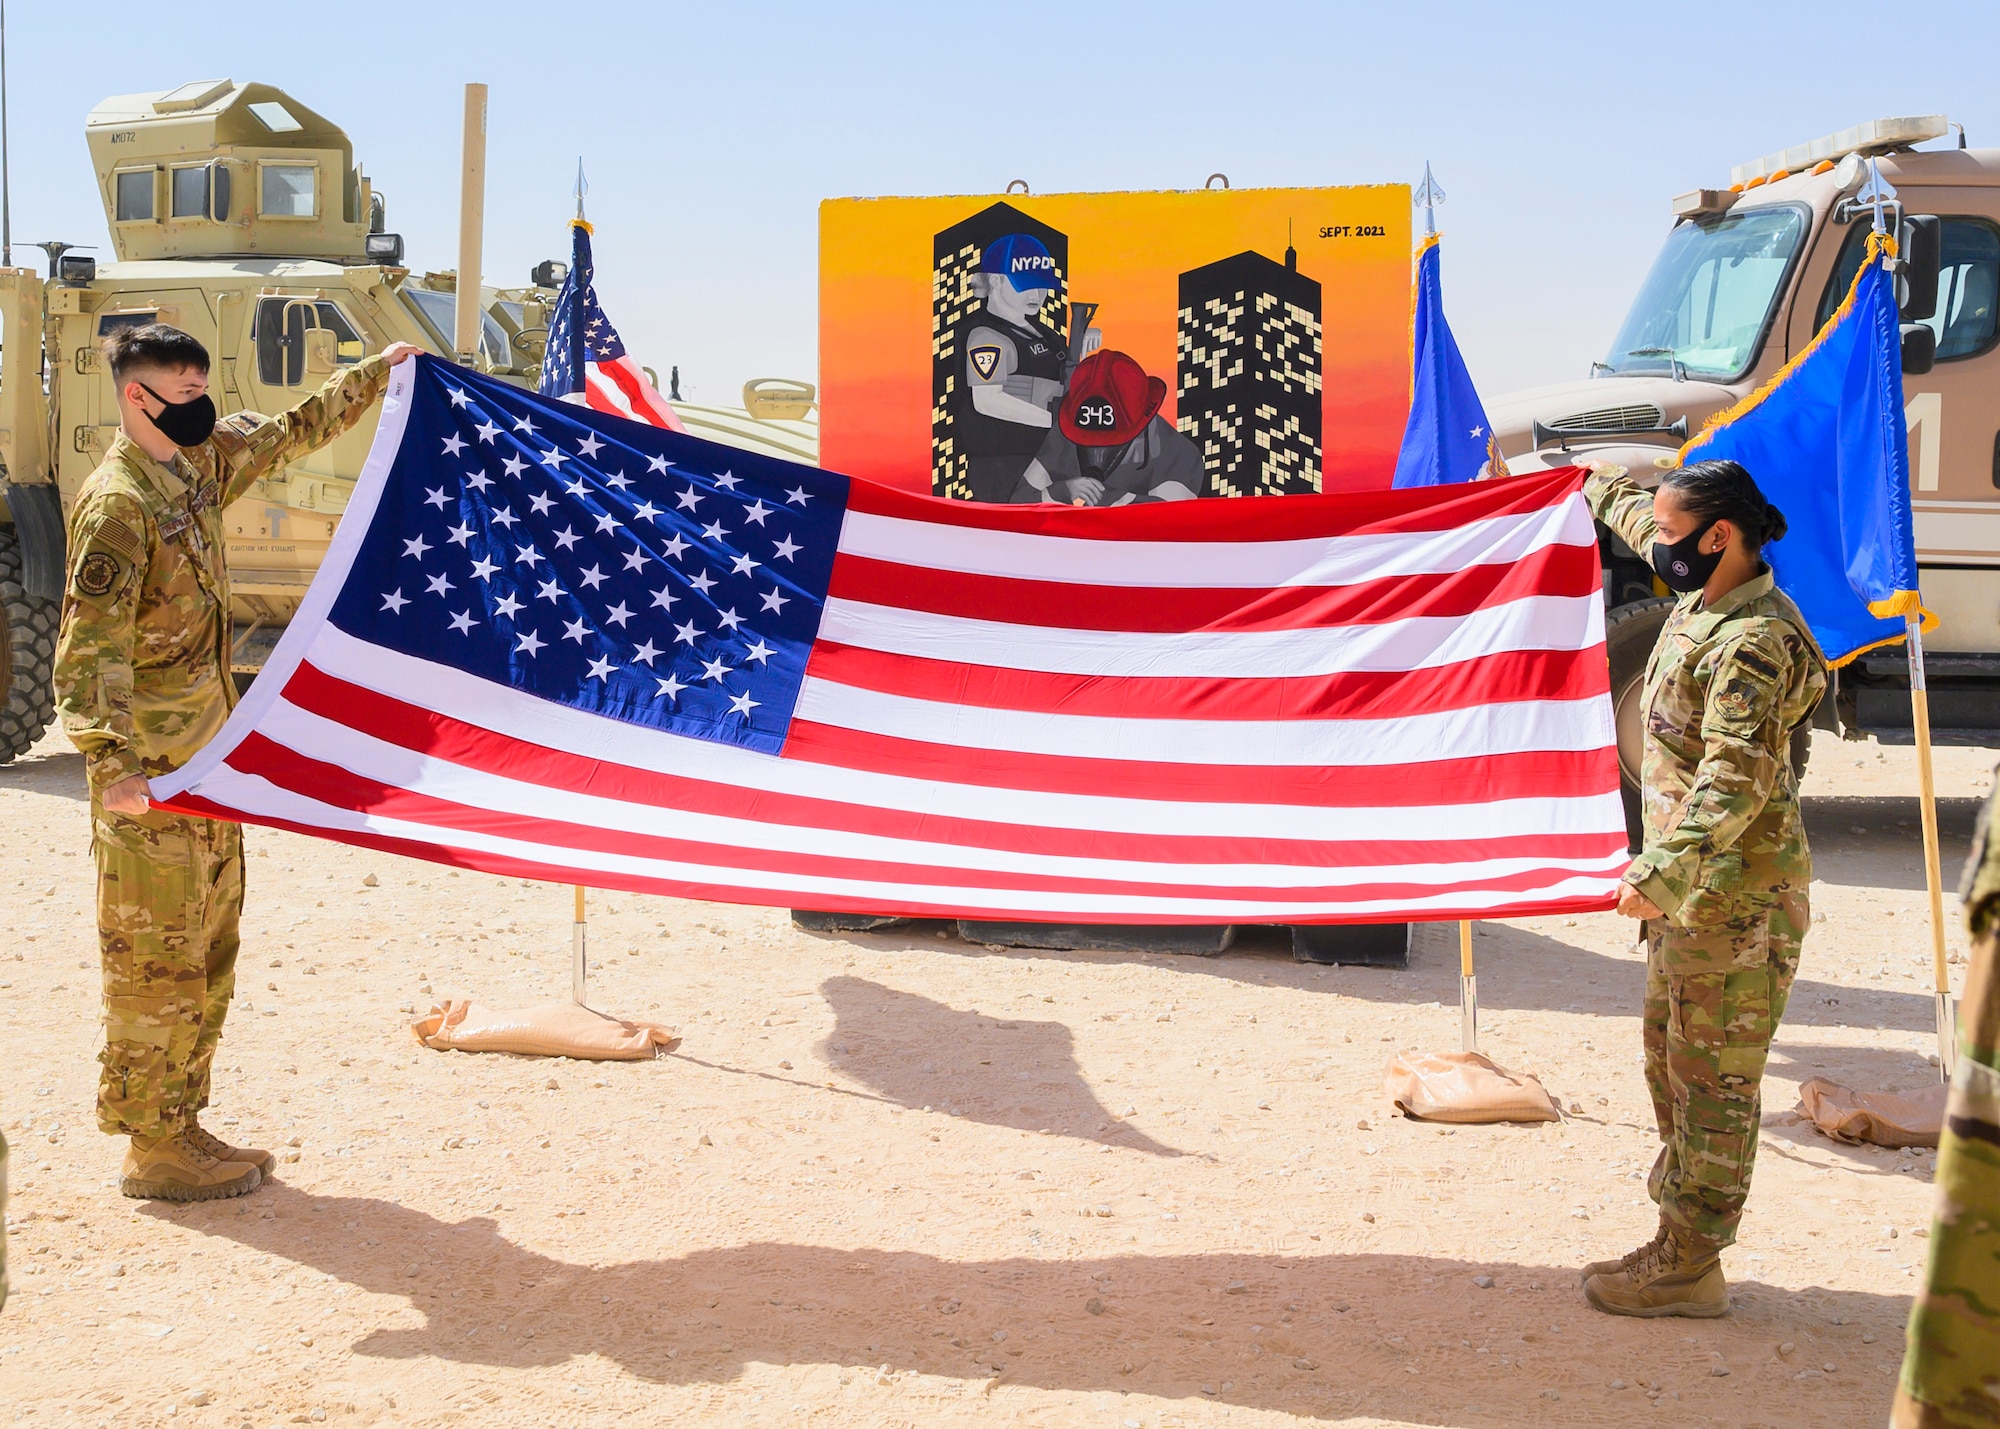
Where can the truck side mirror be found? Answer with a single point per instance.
(322, 348)
(1920, 253)
(1919, 349)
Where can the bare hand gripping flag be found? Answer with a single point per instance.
(554, 644)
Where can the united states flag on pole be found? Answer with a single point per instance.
(556, 645)
(585, 360)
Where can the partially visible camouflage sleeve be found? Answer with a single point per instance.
(1951, 1367)
(95, 646)
(1623, 505)
(254, 446)
(1979, 890)
(1744, 752)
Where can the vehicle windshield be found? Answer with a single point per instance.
(442, 310)
(1704, 306)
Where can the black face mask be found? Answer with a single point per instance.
(185, 424)
(1682, 568)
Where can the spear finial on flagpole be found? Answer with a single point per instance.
(582, 188)
(1430, 195)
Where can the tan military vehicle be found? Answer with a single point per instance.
(1748, 274)
(240, 215)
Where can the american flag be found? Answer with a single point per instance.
(586, 361)
(557, 645)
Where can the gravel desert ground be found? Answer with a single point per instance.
(901, 1179)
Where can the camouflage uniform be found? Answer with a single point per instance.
(142, 682)
(1725, 860)
(1951, 1372)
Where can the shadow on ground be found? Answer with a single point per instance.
(59, 776)
(1877, 841)
(1324, 1336)
(1005, 1071)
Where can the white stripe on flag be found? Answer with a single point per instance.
(393, 765)
(536, 721)
(1421, 642)
(1319, 560)
(255, 795)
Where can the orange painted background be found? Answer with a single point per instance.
(1126, 252)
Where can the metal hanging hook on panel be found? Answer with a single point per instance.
(1209, 183)
(1017, 186)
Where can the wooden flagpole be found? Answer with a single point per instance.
(1920, 713)
(1468, 992)
(578, 965)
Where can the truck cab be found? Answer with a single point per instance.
(1747, 275)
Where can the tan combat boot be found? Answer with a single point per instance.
(1670, 1277)
(172, 1168)
(1625, 1261)
(222, 1151)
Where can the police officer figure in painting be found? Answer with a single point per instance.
(1722, 879)
(1003, 403)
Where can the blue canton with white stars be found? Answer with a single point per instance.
(576, 309)
(603, 564)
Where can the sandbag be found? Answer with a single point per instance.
(1464, 1087)
(553, 1029)
(1878, 1118)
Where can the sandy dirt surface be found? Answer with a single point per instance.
(904, 1180)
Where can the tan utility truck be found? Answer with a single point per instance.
(239, 214)
(1748, 274)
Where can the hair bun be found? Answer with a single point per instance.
(1774, 523)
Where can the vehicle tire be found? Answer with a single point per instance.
(1630, 632)
(1801, 750)
(27, 655)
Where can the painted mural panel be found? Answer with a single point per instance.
(1108, 349)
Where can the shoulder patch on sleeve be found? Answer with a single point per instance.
(235, 436)
(98, 572)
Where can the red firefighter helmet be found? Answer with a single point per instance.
(1110, 400)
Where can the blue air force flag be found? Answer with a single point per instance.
(1448, 439)
(1826, 441)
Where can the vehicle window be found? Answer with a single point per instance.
(112, 322)
(1968, 285)
(288, 190)
(441, 310)
(275, 117)
(135, 196)
(279, 327)
(1705, 305)
(190, 197)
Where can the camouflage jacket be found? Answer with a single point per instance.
(1726, 687)
(1979, 890)
(142, 658)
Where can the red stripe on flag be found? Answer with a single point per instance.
(457, 742)
(329, 783)
(1244, 519)
(1541, 774)
(1551, 570)
(548, 872)
(1388, 694)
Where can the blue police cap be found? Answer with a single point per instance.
(1023, 260)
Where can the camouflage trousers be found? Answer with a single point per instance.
(1714, 997)
(1951, 1366)
(169, 893)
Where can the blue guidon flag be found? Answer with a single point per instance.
(555, 644)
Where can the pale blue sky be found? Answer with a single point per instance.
(711, 132)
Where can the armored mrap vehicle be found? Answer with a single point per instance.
(1748, 274)
(240, 215)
